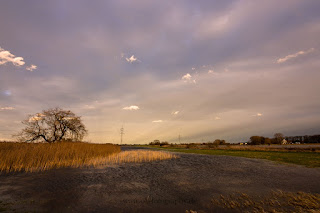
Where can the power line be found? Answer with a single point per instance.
(179, 137)
(121, 134)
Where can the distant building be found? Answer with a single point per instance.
(284, 141)
(243, 143)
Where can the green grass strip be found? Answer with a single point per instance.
(308, 159)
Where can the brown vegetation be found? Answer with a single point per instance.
(136, 156)
(42, 156)
(278, 201)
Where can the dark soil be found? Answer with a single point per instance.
(188, 182)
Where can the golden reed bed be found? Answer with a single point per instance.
(15, 157)
(136, 156)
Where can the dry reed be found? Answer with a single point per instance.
(42, 156)
(16, 157)
(277, 201)
(136, 156)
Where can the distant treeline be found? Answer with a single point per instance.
(304, 139)
(158, 143)
(164, 143)
(278, 138)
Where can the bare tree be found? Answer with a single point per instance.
(53, 125)
(278, 137)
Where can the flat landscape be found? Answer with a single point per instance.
(187, 182)
(160, 106)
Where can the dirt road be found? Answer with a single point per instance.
(188, 182)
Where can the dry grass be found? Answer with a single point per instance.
(278, 201)
(16, 157)
(42, 156)
(136, 156)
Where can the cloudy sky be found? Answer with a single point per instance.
(203, 69)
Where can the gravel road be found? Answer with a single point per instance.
(188, 182)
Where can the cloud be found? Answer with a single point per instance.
(193, 68)
(131, 108)
(188, 78)
(89, 107)
(31, 67)
(288, 57)
(7, 108)
(7, 93)
(236, 35)
(210, 71)
(37, 117)
(157, 121)
(258, 114)
(34, 118)
(69, 118)
(7, 57)
(131, 59)
(217, 118)
(213, 25)
(175, 113)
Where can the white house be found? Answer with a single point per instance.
(284, 141)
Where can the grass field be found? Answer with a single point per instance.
(272, 147)
(309, 159)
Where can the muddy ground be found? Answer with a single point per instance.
(188, 182)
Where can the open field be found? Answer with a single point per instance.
(272, 147)
(203, 183)
(305, 158)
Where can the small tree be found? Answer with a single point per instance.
(217, 142)
(156, 142)
(267, 141)
(53, 125)
(164, 143)
(255, 140)
(278, 138)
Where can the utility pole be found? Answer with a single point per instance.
(121, 133)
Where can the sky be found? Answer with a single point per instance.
(203, 70)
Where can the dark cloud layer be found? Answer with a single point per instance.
(80, 50)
